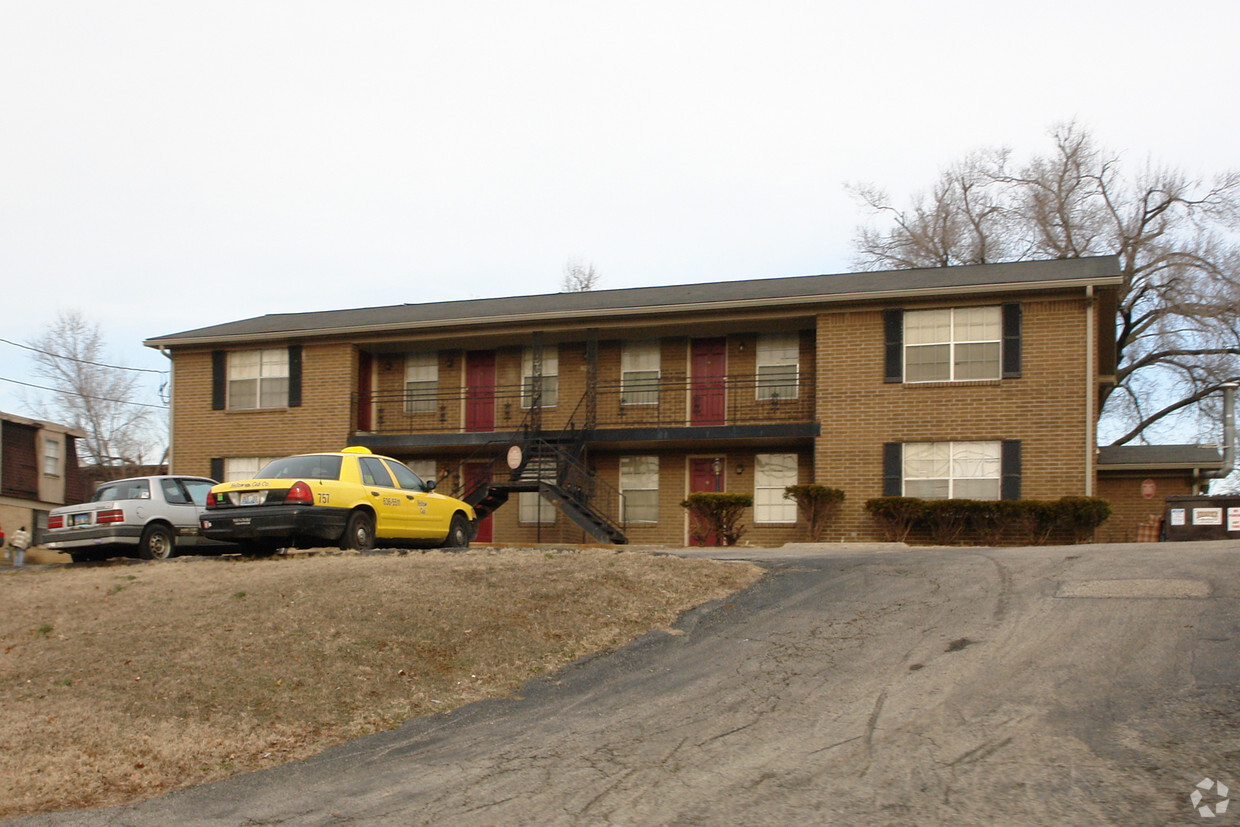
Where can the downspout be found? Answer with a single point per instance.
(172, 368)
(1229, 434)
(1091, 390)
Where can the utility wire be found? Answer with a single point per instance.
(85, 396)
(83, 361)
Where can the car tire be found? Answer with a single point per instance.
(458, 533)
(157, 543)
(359, 532)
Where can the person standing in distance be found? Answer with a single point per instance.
(20, 542)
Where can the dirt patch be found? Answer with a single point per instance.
(125, 681)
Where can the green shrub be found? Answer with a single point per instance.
(1032, 521)
(817, 504)
(896, 515)
(947, 519)
(716, 513)
(989, 520)
(1080, 516)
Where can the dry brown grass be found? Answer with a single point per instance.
(121, 682)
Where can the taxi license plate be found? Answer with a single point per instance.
(251, 497)
(79, 519)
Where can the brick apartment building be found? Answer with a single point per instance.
(38, 472)
(976, 381)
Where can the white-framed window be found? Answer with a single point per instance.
(639, 373)
(550, 376)
(953, 470)
(421, 381)
(639, 485)
(424, 468)
(534, 508)
(772, 474)
(51, 456)
(258, 378)
(243, 468)
(778, 364)
(953, 344)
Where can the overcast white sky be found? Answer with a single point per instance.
(168, 165)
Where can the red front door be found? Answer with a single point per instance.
(476, 473)
(480, 390)
(702, 478)
(708, 365)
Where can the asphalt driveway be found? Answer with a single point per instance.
(1065, 685)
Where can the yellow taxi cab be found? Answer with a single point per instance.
(351, 498)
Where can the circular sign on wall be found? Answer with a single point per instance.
(514, 457)
(1147, 489)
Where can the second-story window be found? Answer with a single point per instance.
(778, 362)
(550, 376)
(51, 457)
(952, 344)
(258, 379)
(421, 381)
(639, 373)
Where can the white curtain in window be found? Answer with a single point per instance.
(772, 474)
(639, 483)
(421, 381)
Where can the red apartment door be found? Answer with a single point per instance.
(480, 390)
(364, 395)
(476, 474)
(707, 363)
(702, 478)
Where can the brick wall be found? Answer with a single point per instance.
(321, 423)
(1129, 506)
(1046, 408)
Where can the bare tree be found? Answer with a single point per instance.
(579, 276)
(89, 394)
(1179, 306)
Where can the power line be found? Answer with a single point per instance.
(84, 395)
(82, 361)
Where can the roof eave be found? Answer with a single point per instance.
(637, 310)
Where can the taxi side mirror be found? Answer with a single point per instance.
(429, 485)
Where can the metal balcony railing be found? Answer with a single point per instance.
(668, 401)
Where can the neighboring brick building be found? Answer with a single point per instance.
(38, 472)
(965, 381)
(1137, 479)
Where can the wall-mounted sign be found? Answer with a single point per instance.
(1147, 489)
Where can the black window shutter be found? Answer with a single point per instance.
(1011, 341)
(893, 336)
(1009, 470)
(217, 469)
(294, 376)
(219, 380)
(893, 469)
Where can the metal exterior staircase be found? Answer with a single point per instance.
(559, 473)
